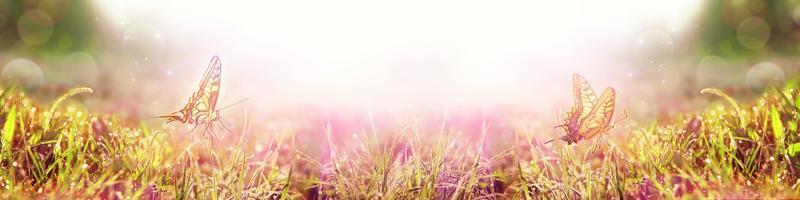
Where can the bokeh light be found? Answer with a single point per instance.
(79, 68)
(715, 71)
(24, 72)
(35, 27)
(353, 53)
(753, 32)
(764, 74)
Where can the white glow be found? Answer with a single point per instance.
(420, 51)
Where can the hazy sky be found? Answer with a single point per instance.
(402, 52)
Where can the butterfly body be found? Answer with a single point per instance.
(188, 116)
(572, 129)
(590, 116)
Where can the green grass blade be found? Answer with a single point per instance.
(730, 100)
(9, 128)
(58, 101)
(777, 128)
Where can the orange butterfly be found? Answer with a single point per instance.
(589, 116)
(202, 106)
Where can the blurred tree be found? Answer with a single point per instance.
(745, 30)
(46, 29)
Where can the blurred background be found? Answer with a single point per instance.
(339, 61)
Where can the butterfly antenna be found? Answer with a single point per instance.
(228, 106)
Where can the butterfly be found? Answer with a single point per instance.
(202, 106)
(589, 116)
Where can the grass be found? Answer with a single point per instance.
(729, 150)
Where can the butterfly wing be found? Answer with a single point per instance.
(208, 91)
(196, 103)
(598, 120)
(204, 101)
(584, 96)
(201, 108)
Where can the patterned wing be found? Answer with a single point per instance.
(208, 92)
(202, 104)
(599, 119)
(584, 99)
(584, 96)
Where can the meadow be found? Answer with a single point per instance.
(730, 149)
